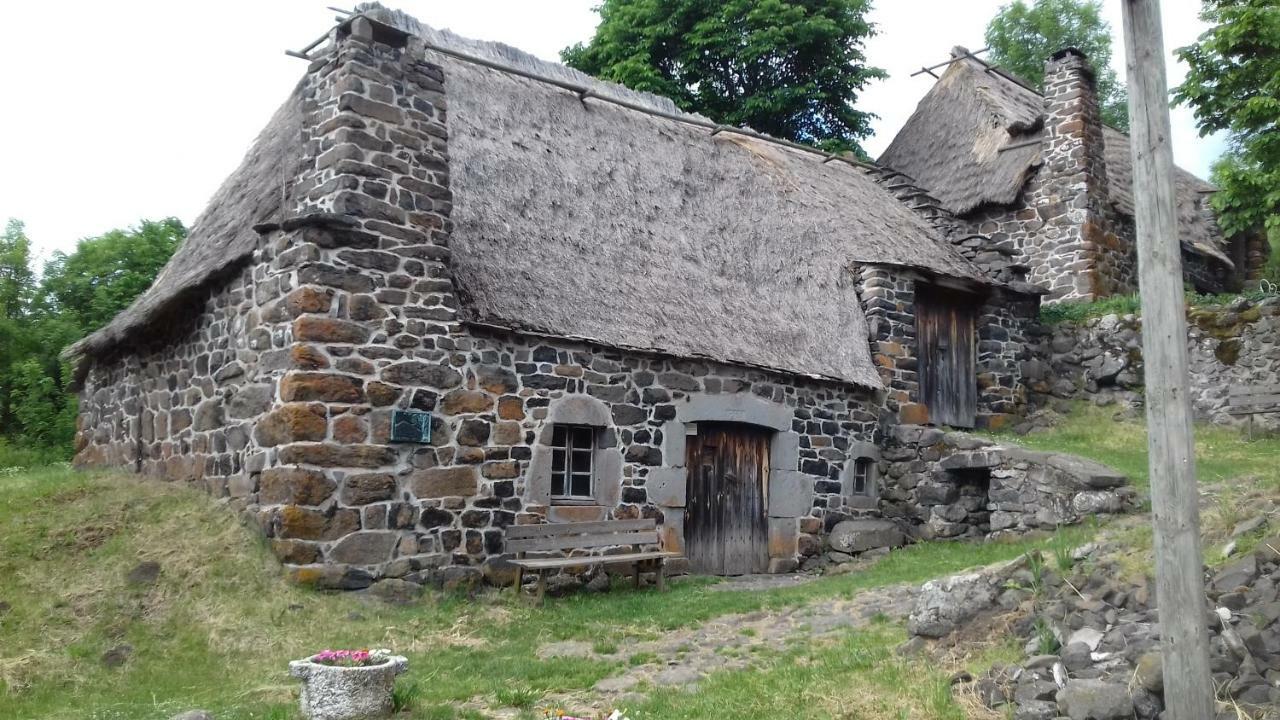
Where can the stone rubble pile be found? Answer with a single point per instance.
(1093, 648)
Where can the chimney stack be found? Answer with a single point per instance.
(1077, 256)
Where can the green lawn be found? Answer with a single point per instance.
(218, 628)
(1222, 453)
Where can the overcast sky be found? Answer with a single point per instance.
(128, 109)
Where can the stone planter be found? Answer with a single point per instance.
(332, 692)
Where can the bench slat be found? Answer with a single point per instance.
(562, 542)
(1254, 409)
(578, 528)
(547, 563)
(1242, 400)
(1237, 390)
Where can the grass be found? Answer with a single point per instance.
(1222, 453)
(14, 459)
(1079, 311)
(217, 629)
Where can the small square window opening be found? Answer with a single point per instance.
(572, 462)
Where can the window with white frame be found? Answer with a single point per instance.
(572, 463)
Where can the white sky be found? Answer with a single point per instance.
(132, 109)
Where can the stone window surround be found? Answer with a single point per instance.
(790, 492)
(868, 500)
(581, 410)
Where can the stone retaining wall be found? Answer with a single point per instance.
(948, 484)
(1101, 359)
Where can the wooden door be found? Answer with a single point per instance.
(726, 527)
(946, 342)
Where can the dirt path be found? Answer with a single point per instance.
(683, 657)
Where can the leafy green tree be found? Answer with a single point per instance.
(1233, 85)
(789, 68)
(17, 281)
(1023, 37)
(105, 273)
(78, 293)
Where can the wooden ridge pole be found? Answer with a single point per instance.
(1188, 686)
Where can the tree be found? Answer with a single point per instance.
(79, 293)
(1233, 85)
(1022, 38)
(107, 272)
(17, 281)
(789, 68)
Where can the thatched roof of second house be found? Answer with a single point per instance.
(952, 147)
(592, 221)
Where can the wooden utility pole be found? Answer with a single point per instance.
(1188, 686)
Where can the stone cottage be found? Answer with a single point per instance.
(1046, 188)
(453, 288)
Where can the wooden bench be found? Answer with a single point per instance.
(1253, 400)
(522, 539)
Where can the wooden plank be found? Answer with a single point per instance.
(1242, 400)
(584, 560)
(582, 541)
(577, 528)
(1253, 390)
(1184, 638)
(1254, 409)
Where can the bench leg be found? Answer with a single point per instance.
(662, 575)
(519, 579)
(542, 586)
(635, 573)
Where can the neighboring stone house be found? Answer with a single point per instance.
(1046, 188)
(453, 287)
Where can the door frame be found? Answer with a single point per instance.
(790, 491)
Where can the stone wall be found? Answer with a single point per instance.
(948, 484)
(1101, 359)
(952, 484)
(170, 406)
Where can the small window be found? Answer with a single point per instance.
(572, 464)
(860, 482)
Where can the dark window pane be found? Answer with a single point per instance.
(559, 436)
(582, 485)
(557, 460)
(861, 473)
(582, 461)
(557, 483)
(582, 437)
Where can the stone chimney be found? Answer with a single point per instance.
(1076, 254)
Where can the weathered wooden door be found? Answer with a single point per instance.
(945, 337)
(726, 527)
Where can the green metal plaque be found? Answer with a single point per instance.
(410, 426)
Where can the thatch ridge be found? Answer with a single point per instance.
(952, 146)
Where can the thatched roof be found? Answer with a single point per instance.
(223, 235)
(592, 221)
(951, 147)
